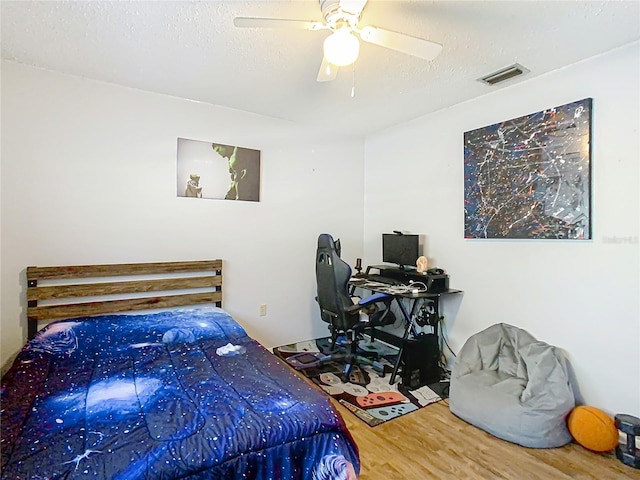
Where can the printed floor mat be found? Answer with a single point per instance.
(366, 391)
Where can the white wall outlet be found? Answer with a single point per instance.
(263, 309)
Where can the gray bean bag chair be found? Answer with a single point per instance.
(509, 384)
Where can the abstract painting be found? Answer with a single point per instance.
(215, 170)
(530, 177)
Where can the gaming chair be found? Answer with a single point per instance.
(337, 307)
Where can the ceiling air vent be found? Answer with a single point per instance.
(504, 74)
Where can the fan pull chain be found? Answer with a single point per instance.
(353, 80)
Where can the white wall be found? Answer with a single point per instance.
(89, 176)
(582, 296)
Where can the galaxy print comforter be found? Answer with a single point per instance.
(183, 394)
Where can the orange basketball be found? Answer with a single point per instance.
(593, 429)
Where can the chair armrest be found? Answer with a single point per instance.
(375, 298)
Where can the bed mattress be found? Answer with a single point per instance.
(182, 394)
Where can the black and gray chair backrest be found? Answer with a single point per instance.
(332, 278)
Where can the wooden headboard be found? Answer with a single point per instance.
(55, 293)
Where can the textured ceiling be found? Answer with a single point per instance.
(192, 50)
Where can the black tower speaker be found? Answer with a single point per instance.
(421, 361)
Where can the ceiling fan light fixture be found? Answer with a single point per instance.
(341, 48)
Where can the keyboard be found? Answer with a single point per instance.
(381, 279)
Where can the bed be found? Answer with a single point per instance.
(157, 394)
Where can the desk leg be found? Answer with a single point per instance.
(409, 322)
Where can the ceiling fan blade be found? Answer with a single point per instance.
(401, 42)
(353, 7)
(255, 22)
(328, 72)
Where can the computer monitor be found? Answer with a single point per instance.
(400, 249)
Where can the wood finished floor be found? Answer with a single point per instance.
(432, 443)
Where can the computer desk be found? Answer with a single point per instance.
(411, 318)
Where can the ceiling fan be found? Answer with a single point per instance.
(341, 48)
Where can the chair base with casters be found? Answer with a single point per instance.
(337, 307)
